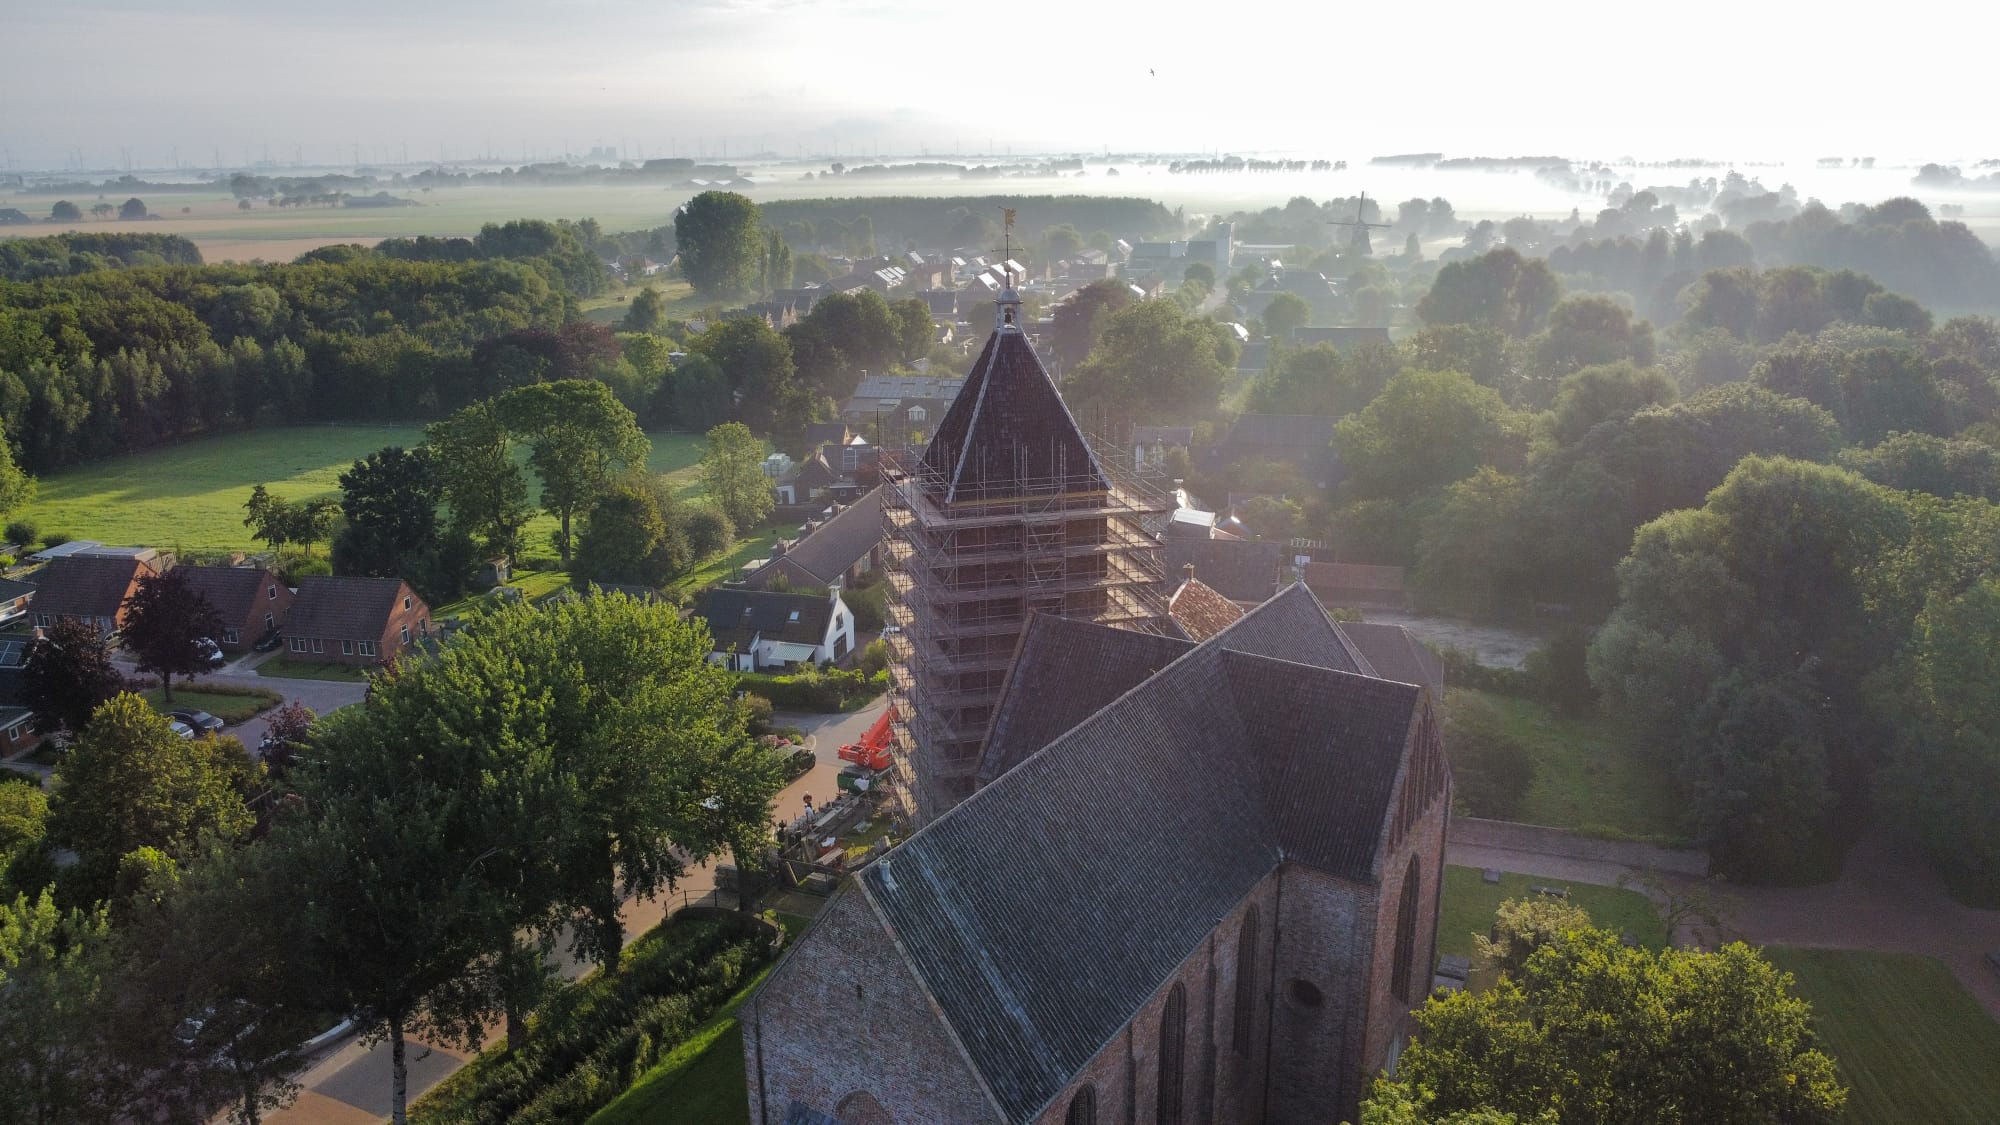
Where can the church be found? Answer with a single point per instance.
(1184, 861)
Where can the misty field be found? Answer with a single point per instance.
(1912, 1044)
(190, 496)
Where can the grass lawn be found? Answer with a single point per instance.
(1912, 1044)
(280, 668)
(699, 1082)
(231, 707)
(1588, 777)
(723, 566)
(189, 497)
(533, 584)
(1470, 903)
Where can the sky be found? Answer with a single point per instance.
(103, 83)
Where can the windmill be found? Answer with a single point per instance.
(1358, 242)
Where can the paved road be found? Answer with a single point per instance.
(1885, 900)
(350, 1083)
(321, 696)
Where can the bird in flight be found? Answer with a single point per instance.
(1151, 71)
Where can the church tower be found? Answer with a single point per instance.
(1007, 512)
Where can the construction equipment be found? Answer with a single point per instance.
(873, 749)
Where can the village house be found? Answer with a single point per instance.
(358, 621)
(251, 600)
(766, 631)
(87, 588)
(835, 552)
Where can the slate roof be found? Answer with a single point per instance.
(1066, 671)
(11, 589)
(230, 589)
(814, 472)
(834, 545)
(738, 617)
(1009, 432)
(1199, 612)
(343, 608)
(1397, 655)
(86, 586)
(1226, 762)
(1044, 695)
(1282, 430)
(1239, 569)
(1354, 576)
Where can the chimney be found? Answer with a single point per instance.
(1187, 572)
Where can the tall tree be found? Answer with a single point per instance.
(1588, 1030)
(1286, 313)
(1500, 288)
(390, 499)
(648, 312)
(129, 782)
(721, 240)
(1153, 363)
(627, 539)
(580, 437)
(269, 518)
(165, 618)
(486, 489)
(732, 472)
(1424, 431)
(68, 674)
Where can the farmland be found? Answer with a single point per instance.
(189, 497)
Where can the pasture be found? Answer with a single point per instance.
(189, 497)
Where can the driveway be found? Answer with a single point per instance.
(321, 696)
(351, 1081)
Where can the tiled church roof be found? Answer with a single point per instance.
(1008, 431)
(1128, 836)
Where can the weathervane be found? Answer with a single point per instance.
(1007, 244)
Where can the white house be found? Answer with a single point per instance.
(763, 631)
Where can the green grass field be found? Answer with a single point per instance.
(1470, 903)
(189, 497)
(1587, 775)
(1911, 1043)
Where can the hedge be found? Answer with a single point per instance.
(815, 691)
(594, 1038)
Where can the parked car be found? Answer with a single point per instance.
(199, 720)
(211, 653)
(181, 728)
(271, 640)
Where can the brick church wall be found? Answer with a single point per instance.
(1326, 929)
(853, 1020)
(1218, 1085)
(1389, 1022)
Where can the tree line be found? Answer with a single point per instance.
(1775, 517)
